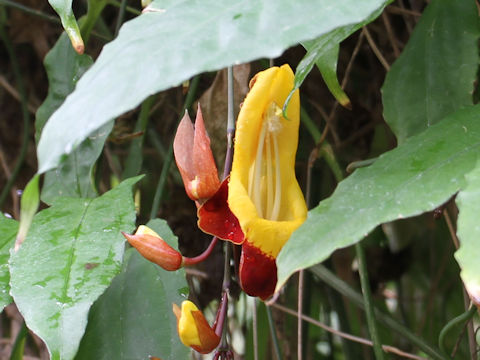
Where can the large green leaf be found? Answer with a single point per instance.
(468, 201)
(8, 229)
(72, 251)
(435, 74)
(416, 177)
(137, 308)
(162, 48)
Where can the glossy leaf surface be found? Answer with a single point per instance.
(72, 252)
(414, 178)
(151, 54)
(137, 308)
(435, 74)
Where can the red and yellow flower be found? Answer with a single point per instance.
(263, 191)
(263, 194)
(193, 329)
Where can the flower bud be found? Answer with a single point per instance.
(153, 248)
(193, 329)
(194, 159)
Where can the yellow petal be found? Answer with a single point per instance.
(187, 329)
(145, 230)
(263, 192)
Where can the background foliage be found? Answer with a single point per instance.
(389, 91)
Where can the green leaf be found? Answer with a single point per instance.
(152, 54)
(327, 64)
(74, 176)
(468, 230)
(64, 10)
(28, 207)
(137, 308)
(64, 68)
(320, 49)
(416, 177)
(435, 74)
(8, 229)
(71, 253)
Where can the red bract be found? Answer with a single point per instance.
(215, 217)
(194, 159)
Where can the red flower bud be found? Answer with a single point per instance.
(194, 158)
(153, 248)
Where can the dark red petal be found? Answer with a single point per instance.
(258, 272)
(215, 217)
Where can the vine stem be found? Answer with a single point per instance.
(276, 345)
(223, 323)
(466, 316)
(367, 298)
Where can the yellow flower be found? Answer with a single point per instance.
(263, 192)
(193, 328)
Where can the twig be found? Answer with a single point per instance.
(12, 91)
(402, 11)
(30, 11)
(273, 333)
(451, 229)
(386, 348)
(390, 34)
(375, 49)
(301, 276)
